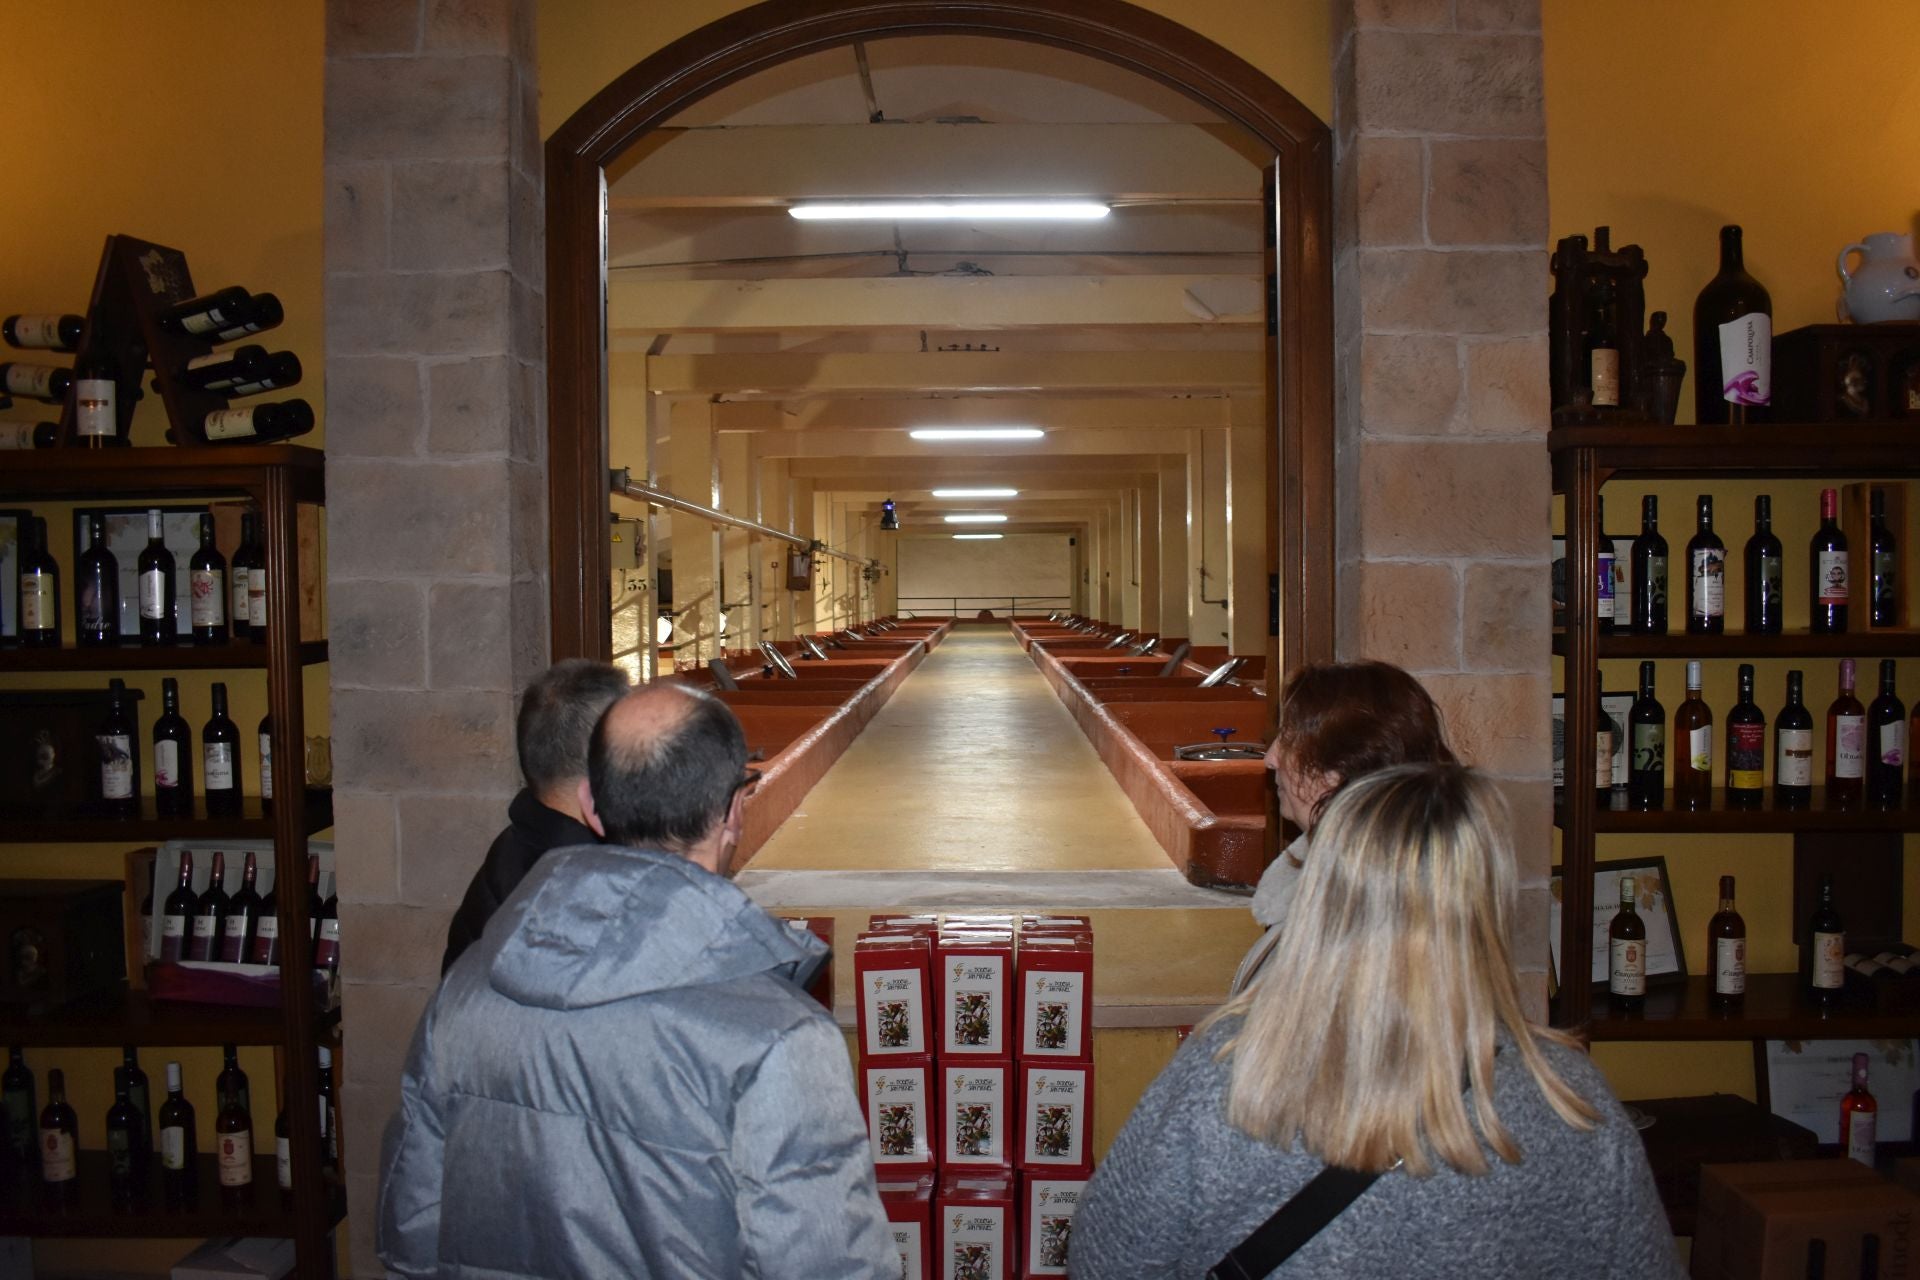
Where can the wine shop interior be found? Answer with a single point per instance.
(994, 406)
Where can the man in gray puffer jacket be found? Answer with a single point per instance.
(621, 1077)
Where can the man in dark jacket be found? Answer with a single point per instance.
(557, 715)
(622, 1077)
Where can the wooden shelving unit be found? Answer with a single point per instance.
(1885, 642)
(242, 655)
(90, 1211)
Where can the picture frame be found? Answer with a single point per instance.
(1802, 1081)
(11, 522)
(1616, 706)
(1666, 958)
(127, 538)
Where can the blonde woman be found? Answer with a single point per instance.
(1387, 1038)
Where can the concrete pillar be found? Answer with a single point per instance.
(1248, 610)
(695, 467)
(1172, 505)
(437, 520)
(1209, 574)
(1146, 508)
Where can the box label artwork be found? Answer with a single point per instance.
(906, 1240)
(897, 1116)
(894, 1002)
(976, 1110)
(1050, 1025)
(1056, 1118)
(974, 987)
(1051, 1206)
(975, 1247)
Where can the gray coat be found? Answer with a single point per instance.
(620, 1079)
(1181, 1187)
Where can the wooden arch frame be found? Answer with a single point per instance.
(1300, 525)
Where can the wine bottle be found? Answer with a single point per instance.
(177, 913)
(1827, 560)
(207, 315)
(329, 1114)
(1846, 743)
(231, 1087)
(39, 583)
(1603, 579)
(243, 917)
(59, 1135)
(313, 897)
(1732, 342)
(1627, 958)
(1746, 747)
(1826, 948)
(118, 741)
(1884, 595)
(96, 401)
(265, 948)
(282, 371)
(221, 370)
(130, 1074)
(126, 1162)
(233, 1138)
(1706, 575)
(1886, 742)
(1727, 944)
(261, 312)
(1649, 563)
(179, 1146)
(21, 1111)
(1793, 749)
(159, 617)
(1859, 1114)
(43, 333)
(1764, 559)
(99, 588)
(1603, 352)
(207, 588)
(220, 749)
(283, 1156)
(266, 763)
(257, 585)
(260, 423)
(326, 946)
(146, 904)
(1647, 729)
(210, 915)
(1692, 746)
(29, 435)
(241, 581)
(172, 754)
(46, 382)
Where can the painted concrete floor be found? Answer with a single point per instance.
(974, 765)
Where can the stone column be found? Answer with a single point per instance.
(1207, 546)
(437, 523)
(1172, 499)
(1441, 320)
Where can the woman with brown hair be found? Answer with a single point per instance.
(1338, 723)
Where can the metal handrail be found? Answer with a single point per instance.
(1013, 603)
(621, 482)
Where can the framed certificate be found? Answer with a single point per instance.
(1653, 899)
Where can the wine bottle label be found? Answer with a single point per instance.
(1603, 760)
(266, 766)
(1709, 571)
(233, 936)
(173, 937)
(207, 592)
(219, 766)
(1649, 748)
(173, 1147)
(1627, 971)
(230, 424)
(283, 1163)
(1849, 746)
(205, 929)
(1829, 961)
(239, 587)
(1770, 578)
(326, 947)
(166, 764)
(1746, 756)
(1794, 765)
(56, 1156)
(16, 435)
(1831, 567)
(1606, 376)
(1893, 744)
(257, 597)
(116, 766)
(153, 595)
(1885, 582)
(1700, 748)
(1861, 1136)
(120, 1154)
(1729, 966)
(1604, 601)
(31, 380)
(94, 415)
(18, 1109)
(1657, 579)
(268, 929)
(93, 612)
(42, 332)
(1746, 359)
(36, 602)
(236, 1159)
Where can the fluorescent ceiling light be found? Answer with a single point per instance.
(976, 433)
(977, 537)
(976, 493)
(938, 210)
(976, 519)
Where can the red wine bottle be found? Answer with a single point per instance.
(126, 1145)
(1826, 948)
(1706, 574)
(39, 583)
(1746, 747)
(240, 580)
(130, 1074)
(1603, 579)
(1603, 352)
(220, 752)
(1846, 743)
(96, 400)
(1793, 749)
(265, 948)
(179, 1146)
(117, 739)
(1627, 954)
(259, 424)
(1732, 342)
(1886, 742)
(1764, 560)
(230, 1087)
(20, 1110)
(329, 1115)
(59, 1136)
(208, 314)
(1859, 1114)
(1884, 595)
(43, 333)
(242, 918)
(207, 589)
(1649, 561)
(1828, 577)
(1692, 746)
(99, 589)
(210, 915)
(29, 435)
(177, 913)
(266, 763)
(282, 371)
(261, 312)
(1647, 732)
(172, 754)
(326, 945)
(257, 585)
(283, 1156)
(45, 382)
(159, 616)
(1727, 945)
(220, 370)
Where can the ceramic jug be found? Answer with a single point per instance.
(1886, 284)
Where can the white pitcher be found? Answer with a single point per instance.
(1886, 286)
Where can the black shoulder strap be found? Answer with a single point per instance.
(1294, 1223)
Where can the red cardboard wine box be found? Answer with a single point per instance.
(893, 977)
(1056, 1115)
(894, 923)
(1048, 1202)
(968, 921)
(976, 976)
(978, 1227)
(899, 1098)
(1056, 998)
(821, 927)
(909, 1206)
(1073, 926)
(976, 1113)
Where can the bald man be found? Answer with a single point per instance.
(624, 1075)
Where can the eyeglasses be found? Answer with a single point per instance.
(749, 780)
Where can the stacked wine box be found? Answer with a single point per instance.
(976, 1077)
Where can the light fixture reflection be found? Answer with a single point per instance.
(976, 518)
(949, 210)
(976, 433)
(976, 493)
(978, 537)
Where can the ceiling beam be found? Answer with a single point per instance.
(791, 375)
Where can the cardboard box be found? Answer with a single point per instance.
(976, 973)
(909, 1207)
(977, 1119)
(1757, 1220)
(892, 923)
(978, 1227)
(821, 927)
(899, 1099)
(963, 921)
(893, 975)
(1054, 926)
(1055, 977)
(1056, 1115)
(1048, 1202)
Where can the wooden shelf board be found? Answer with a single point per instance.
(86, 825)
(134, 1018)
(1768, 449)
(1773, 1009)
(27, 1207)
(1769, 817)
(43, 474)
(1878, 643)
(234, 656)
